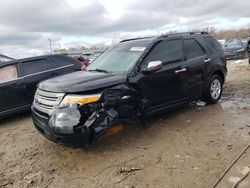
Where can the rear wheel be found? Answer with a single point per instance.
(214, 90)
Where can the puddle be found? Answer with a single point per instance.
(242, 103)
(238, 61)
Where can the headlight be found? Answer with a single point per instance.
(80, 99)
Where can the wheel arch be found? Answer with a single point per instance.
(221, 74)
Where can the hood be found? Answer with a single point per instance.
(81, 81)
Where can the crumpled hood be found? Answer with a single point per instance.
(81, 81)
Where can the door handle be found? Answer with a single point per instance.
(180, 70)
(207, 60)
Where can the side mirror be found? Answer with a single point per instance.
(153, 66)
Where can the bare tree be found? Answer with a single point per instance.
(209, 29)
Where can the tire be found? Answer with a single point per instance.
(214, 90)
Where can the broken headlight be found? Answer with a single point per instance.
(63, 120)
(80, 99)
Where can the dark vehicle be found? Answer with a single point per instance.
(131, 81)
(235, 49)
(246, 44)
(18, 79)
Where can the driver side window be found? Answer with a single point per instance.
(167, 52)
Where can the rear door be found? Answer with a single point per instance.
(196, 67)
(33, 72)
(12, 88)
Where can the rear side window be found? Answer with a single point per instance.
(213, 43)
(167, 52)
(36, 66)
(62, 61)
(8, 73)
(192, 49)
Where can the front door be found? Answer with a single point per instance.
(12, 89)
(165, 87)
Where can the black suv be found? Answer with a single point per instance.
(18, 79)
(134, 79)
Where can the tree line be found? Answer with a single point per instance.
(228, 34)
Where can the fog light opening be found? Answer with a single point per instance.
(115, 129)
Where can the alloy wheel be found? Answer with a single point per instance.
(215, 89)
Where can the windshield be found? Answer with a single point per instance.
(233, 43)
(120, 58)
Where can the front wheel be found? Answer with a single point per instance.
(214, 90)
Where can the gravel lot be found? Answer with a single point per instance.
(190, 147)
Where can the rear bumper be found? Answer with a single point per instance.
(42, 126)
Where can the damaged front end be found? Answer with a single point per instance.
(90, 117)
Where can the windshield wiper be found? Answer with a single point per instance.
(99, 70)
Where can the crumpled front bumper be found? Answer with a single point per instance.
(84, 133)
(41, 124)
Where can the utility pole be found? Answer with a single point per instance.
(51, 50)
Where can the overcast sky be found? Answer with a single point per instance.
(26, 25)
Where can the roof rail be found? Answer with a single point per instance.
(166, 35)
(186, 33)
(138, 38)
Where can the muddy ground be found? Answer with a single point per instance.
(190, 147)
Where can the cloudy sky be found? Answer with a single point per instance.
(26, 25)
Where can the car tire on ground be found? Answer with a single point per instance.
(214, 90)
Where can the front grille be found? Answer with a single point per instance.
(45, 101)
